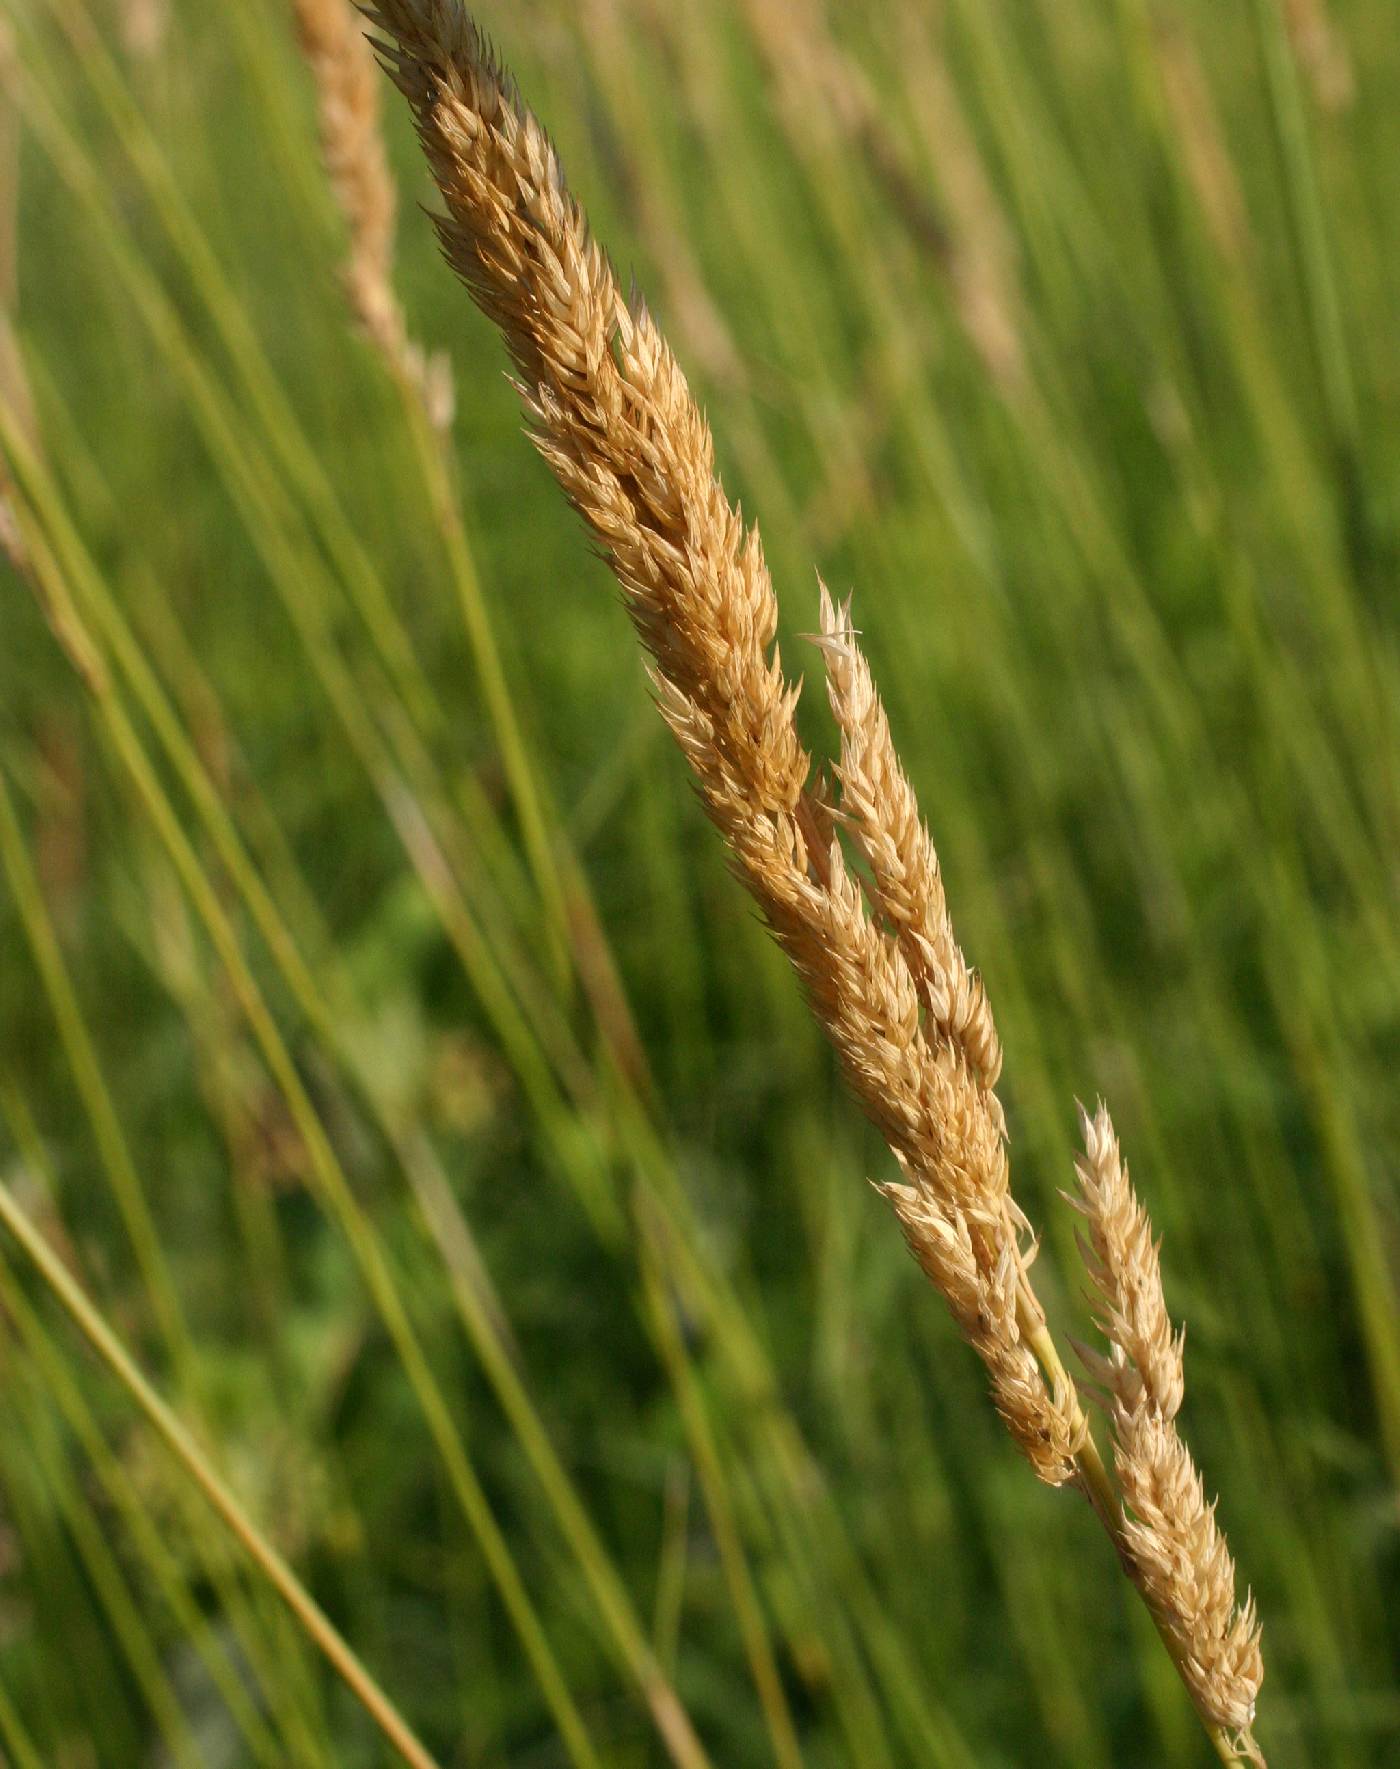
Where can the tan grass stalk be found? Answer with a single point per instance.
(1198, 132)
(332, 39)
(144, 26)
(14, 383)
(823, 91)
(614, 418)
(982, 259)
(1322, 53)
(882, 816)
(1178, 1555)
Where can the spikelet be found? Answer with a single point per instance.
(882, 815)
(347, 97)
(980, 1270)
(966, 1233)
(1176, 1552)
(615, 420)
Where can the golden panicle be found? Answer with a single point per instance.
(963, 1228)
(347, 93)
(1181, 1562)
(882, 815)
(1175, 1551)
(952, 1246)
(614, 418)
(1145, 1356)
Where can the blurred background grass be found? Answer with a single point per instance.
(413, 1090)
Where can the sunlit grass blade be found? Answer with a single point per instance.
(182, 1445)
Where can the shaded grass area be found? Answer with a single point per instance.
(512, 1257)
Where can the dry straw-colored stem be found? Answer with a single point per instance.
(613, 416)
